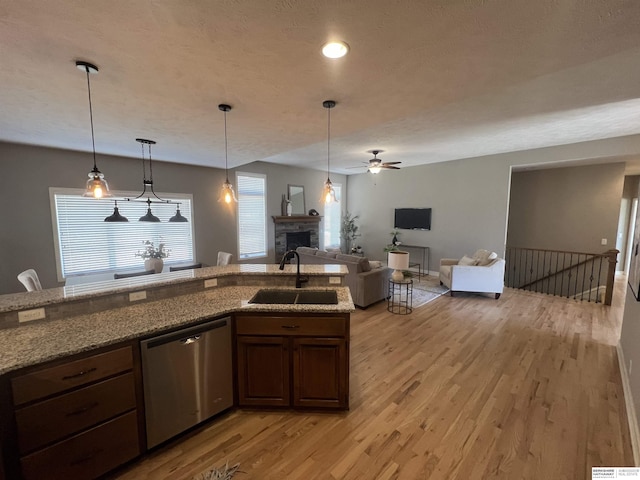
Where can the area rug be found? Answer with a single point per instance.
(225, 472)
(427, 289)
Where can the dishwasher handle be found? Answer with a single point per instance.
(190, 340)
(186, 336)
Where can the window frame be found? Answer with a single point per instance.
(336, 186)
(120, 196)
(265, 242)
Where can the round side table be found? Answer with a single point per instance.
(400, 298)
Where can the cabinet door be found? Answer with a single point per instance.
(320, 374)
(263, 371)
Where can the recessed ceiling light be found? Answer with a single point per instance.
(335, 49)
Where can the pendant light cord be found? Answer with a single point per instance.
(93, 141)
(328, 140)
(226, 169)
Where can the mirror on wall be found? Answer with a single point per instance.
(296, 197)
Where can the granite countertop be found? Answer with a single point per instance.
(27, 300)
(33, 344)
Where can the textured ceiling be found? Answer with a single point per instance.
(425, 81)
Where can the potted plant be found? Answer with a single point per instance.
(153, 256)
(393, 246)
(349, 230)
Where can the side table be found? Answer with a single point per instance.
(400, 300)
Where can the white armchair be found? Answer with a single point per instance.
(483, 272)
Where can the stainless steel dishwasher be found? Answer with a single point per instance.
(187, 377)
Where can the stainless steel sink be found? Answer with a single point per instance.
(291, 297)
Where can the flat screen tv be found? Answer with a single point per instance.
(413, 218)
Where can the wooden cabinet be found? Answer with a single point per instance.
(77, 418)
(293, 360)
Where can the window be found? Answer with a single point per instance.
(252, 215)
(85, 244)
(332, 219)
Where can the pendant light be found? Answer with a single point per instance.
(178, 216)
(148, 183)
(227, 195)
(116, 216)
(148, 217)
(328, 193)
(97, 186)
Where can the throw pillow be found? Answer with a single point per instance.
(375, 264)
(467, 261)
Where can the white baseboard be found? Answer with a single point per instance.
(631, 411)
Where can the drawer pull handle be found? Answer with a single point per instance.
(291, 327)
(79, 374)
(89, 456)
(82, 410)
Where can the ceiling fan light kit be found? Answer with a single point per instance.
(97, 186)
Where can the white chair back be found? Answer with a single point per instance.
(224, 258)
(29, 278)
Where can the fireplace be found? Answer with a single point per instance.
(298, 239)
(304, 228)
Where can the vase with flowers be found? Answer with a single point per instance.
(153, 256)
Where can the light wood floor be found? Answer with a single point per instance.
(469, 387)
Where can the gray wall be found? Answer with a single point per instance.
(570, 208)
(468, 200)
(27, 172)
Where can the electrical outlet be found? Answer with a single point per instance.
(30, 315)
(211, 282)
(335, 280)
(136, 296)
(603, 241)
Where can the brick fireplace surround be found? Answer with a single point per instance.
(295, 224)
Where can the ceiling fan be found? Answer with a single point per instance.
(376, 164)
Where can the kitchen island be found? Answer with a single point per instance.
(88, 356)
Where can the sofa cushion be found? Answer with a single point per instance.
(362, 263)
(467, 261)
(307, 250)
(322, 253)
(365, 266)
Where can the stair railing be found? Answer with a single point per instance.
(578, 275)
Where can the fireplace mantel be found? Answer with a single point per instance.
(296, 219)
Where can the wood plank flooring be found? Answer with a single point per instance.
(524, 387)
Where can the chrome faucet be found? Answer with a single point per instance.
(299, 279)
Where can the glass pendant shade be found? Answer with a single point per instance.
(375, 170)
(178, 216)
(116, 216)
(97, 186)
(227, 194)
(149, 217)
(328, 193)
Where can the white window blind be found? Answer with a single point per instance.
(332, 219)
(252, 215)
(86, 244)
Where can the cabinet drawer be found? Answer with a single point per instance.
(317, 325)
(87, 455)
(45, 422)
(47, 381)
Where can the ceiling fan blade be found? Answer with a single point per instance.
(391, 163)
(359, 166)
(389, 167)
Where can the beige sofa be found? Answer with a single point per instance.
(368, 285)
